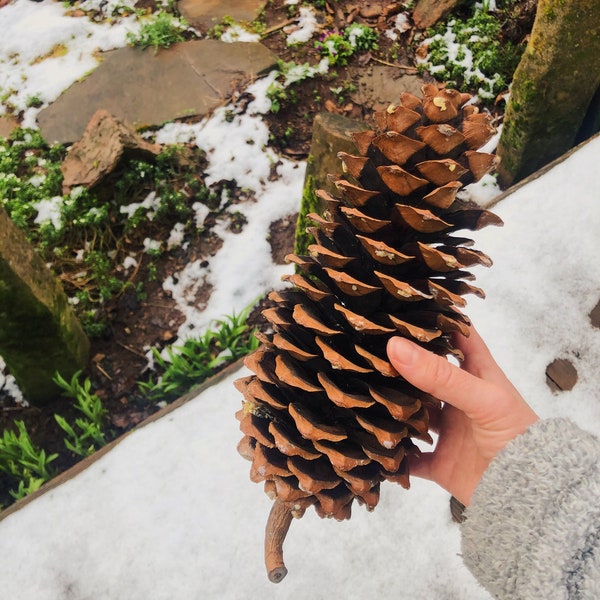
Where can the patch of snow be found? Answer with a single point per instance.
(151, 246)
(129, 262)
(49, 211)
(64, 51)
(401, 24)
(236, 33)
(151, 202)
(176, 236)
(482, 192)
(9, 386)
(304, 28)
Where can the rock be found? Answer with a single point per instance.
(595, 315)
(104, 143)
(211, 12)
(429, 12)
(147, 89)
(369, 10)
(379, 86)
(561, 375)
(552, 88)
(39, 333)
(7, 126)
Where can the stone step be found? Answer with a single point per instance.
(147, 88)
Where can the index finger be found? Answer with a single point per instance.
(435, 375)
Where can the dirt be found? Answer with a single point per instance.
(119, 358)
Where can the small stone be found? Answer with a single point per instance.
(457, 510)
(371, 11)
(561, 375)
(7, 126)
(595, 315)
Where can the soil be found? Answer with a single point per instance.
(118, 359)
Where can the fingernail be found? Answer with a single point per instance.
(402, 351)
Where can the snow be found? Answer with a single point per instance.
(170, 513)
(49, 210)
(237, 33)
(303, 30)
(64, 50)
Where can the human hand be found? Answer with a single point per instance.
(482, 411)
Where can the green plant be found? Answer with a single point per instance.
(188, 365)
(33, 102)
(341, 92)
(471, 54)
(86, 435)
(25, 464)
(338, 48)
(280, 91)
(220, 27)
(88, 235)
(161, 31)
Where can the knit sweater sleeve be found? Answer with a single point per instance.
(533, 527)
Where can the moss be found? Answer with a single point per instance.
(552, 88)
(310, 203)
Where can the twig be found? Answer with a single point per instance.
(277, 527)
(132, 350)
(389, 64)
(103, 372)
(277, 27)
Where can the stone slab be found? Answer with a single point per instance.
(379, 86)
(211, 12)
(147, 89)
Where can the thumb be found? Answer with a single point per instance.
(435, 375)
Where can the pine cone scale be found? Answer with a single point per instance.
(326, 418)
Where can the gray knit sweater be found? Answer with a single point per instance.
(533, 526)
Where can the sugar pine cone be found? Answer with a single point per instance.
(325, 416)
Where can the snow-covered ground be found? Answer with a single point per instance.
(170, 512)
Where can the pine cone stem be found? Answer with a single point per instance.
(277, 527)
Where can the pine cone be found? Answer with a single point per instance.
(326, 418)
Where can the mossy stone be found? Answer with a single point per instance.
(39, 333)
(552, 88)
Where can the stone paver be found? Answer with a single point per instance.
(380, 86)
(211, 12)
(148, 89)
